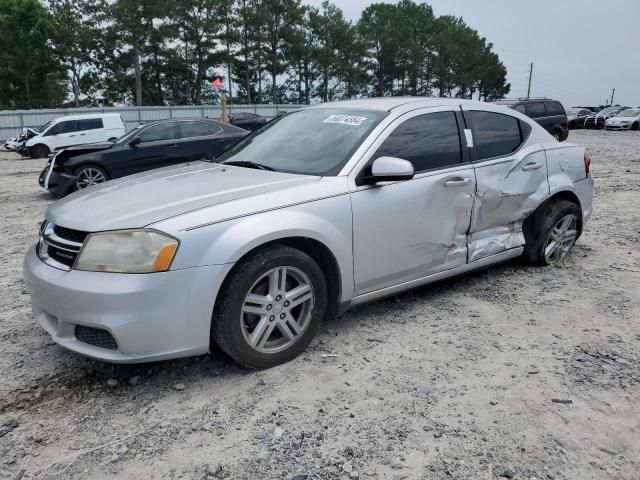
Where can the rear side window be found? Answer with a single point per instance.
(157, 133)
(520, 108)
(198, 129)
(554, 108)
(494, 134)
(90, 124)
(428, 141)
(536, 109)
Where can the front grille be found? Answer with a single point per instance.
(71, 235)
(60, 246)
(96, 337)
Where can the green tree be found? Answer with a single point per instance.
(30, 76)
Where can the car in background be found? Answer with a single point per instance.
(322, 209)
(576, 117)
(599, 119)
(626, 120)
(247, 120)
(550, 114)
(16, 144)
(152, 145)
(73, 130)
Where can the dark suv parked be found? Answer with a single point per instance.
(548, 113)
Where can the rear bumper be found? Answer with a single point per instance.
(584, 192)
(151, 317)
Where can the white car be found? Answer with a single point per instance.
(625, 120)
(75, 130)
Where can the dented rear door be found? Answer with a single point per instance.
(511, 180)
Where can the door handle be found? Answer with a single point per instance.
(532, 166)
(457, 182)
(83, 134)
(172, 146)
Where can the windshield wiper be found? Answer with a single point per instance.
(244, 163)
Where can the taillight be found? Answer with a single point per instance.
(587, 163)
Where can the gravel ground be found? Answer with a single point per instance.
(513, 372)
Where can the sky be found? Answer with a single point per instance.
(580, 49)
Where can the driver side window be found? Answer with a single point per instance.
(160, 132)
(428, 141)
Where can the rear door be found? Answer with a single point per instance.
(538, 112)
(200, 140)
(90, 130)
(158, 147)
(406, 230)
(511, 180)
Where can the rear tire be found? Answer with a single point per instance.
(40, 151)
(557, 134)
(551, 232)
(270, 307)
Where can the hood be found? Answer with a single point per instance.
(90, 147)
(149, 197)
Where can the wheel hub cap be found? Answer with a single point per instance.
(277, 309)
(561, 239)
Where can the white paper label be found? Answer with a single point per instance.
(345, 119)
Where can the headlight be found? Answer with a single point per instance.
(127, 251)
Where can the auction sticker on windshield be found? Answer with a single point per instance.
(345, 119)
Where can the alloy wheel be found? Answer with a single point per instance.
(89, 176)
(561, 239)
(277, 309)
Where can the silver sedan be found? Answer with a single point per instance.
(322, 209)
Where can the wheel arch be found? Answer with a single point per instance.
(565, 194)
(317, 250)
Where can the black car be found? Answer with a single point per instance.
(599, 119)
(548, 113)
(248, 121)
(152, 145)
(577, 116)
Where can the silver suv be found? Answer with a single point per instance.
(329, 207)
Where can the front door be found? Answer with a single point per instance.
(410, 229)
(511, 181)
(158, 147)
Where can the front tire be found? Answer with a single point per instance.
(40, 151)
(551, 232)
(634, 126)
(89, 175)
(270, 307)
(557, 135)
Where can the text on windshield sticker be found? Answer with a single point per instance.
(345, 119)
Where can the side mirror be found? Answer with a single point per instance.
(134, 142)
(389, 169)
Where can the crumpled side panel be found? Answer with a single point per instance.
(506, 194)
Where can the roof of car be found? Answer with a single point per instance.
(87, 115)
(389, 103)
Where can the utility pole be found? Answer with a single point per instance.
(613, 92)
(530, 74)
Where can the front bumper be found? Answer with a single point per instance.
(618, 127)
(60, 183)
(152, 317)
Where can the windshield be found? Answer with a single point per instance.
(128, 136)
(573, 111)
(629, 113)
(607, 111)
(43, 127)
(311, 142)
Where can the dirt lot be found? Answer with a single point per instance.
(514, 372)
